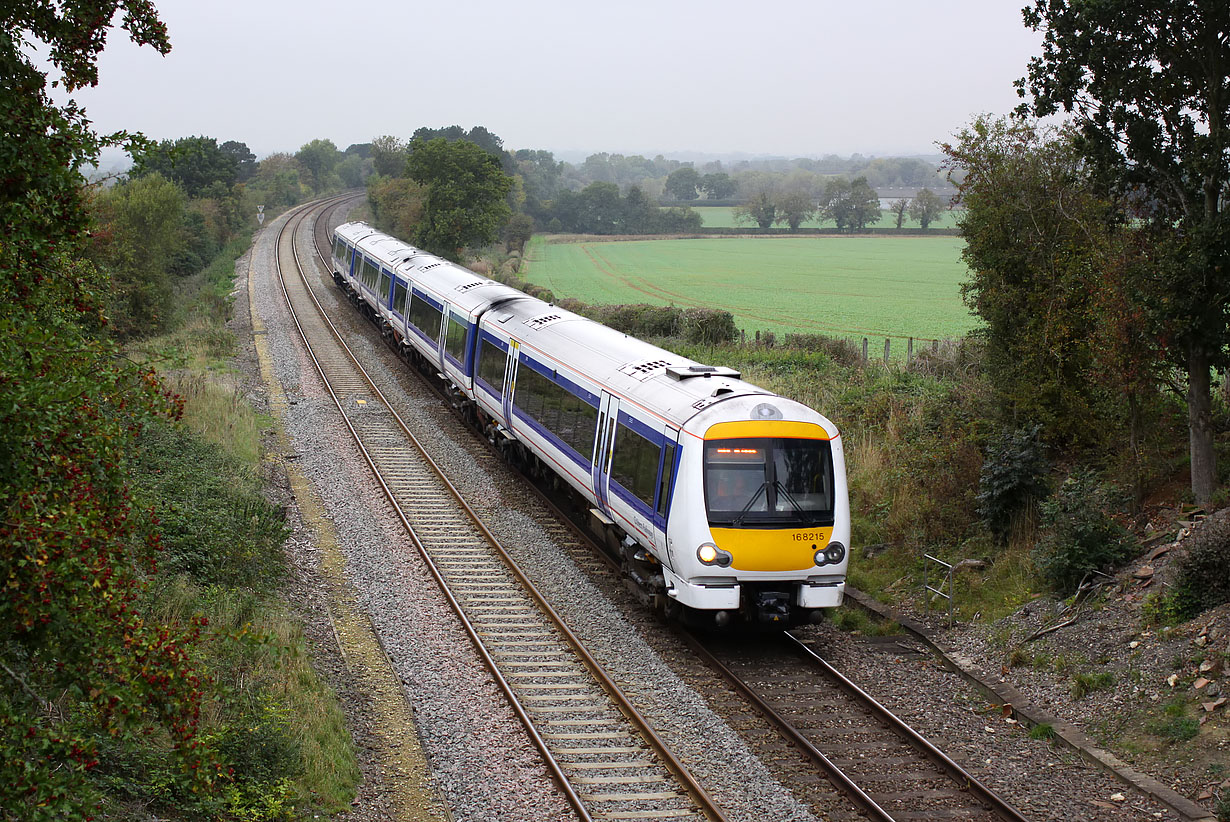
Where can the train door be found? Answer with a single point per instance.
(666, 487)
(440, 337)
(604, 450)
(510, 379)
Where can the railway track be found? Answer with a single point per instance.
(885, 770)
(606, 759)
(889, 771)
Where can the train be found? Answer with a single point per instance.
(723, 502)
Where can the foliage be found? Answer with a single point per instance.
(925, 206)
(75, 559)
(794, 207)
(389, 156)
(319, 158)
(1151, 113)
(1079, 536)
(600, 209)
(215, 526)
(397, 204)
(1204, 569)
(683, 183)
(1037, 238)
(466, 189)
(44, 144)
(852, 205)
(195, 164)
(718, 186)
(1014, 477)
(1084, 684)
(143, 231)
(760, 208)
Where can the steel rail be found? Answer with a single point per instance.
(963, 777)
(706, 804)
(553, 767)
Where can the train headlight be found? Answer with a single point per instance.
(710, 554)
(833, 554)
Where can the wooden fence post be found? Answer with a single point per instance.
(886, 350)
(864, 349)
(909, 352)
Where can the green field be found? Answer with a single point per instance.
(723, 217)
(840, 286)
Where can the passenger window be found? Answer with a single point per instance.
(491, 365)
(636, 463)
(399, 297)
(455, 341)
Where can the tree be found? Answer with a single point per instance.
(319, 158)
(718, 186)
(195, 164)
(759, 208)
(85, 670)
(141, 232)
(278, 178)
(926, 207)
(245, 160)
(518, 232)
(864, 206)
(397, 204)
(466, 191)
(898, 210)
(794, 207)
(1035, 234)
(1149, 87)
(389, 156)
(682, 183)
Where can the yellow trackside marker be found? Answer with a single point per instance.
(361, 402)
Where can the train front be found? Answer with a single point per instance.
(767, 533)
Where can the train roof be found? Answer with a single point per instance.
(671, 386)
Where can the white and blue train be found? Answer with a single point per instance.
(722, 501)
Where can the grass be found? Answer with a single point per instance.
(273, 718)
(840, 286)
(723, 217)
(1084, 684)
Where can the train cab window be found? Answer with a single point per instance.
(455, 340)
(769, 482)
(491, 365)
(385, 282)
(636, 464)
(399, 297)
(339, 248)
(424, 316)
(667, 483)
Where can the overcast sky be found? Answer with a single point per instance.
(634, 77)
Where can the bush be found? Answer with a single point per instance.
(1204, 572)
(215, 525)
(1013, 478)
(1079, 536)
(708, 326)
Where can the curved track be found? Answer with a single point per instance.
(606, 759)
(820, 721)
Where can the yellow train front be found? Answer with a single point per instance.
(760, 526)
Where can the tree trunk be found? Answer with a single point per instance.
(1200, 425)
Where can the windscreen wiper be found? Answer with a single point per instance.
(738, 520)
